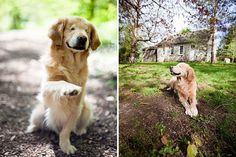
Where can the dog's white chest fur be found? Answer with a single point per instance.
(55, 118)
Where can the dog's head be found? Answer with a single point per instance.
(75, 34)
(183, 70)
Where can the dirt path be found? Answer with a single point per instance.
(145, 120)
(19, 84)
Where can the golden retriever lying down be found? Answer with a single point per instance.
(184, 83)
(62, 106)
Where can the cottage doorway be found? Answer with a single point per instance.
(191, 56)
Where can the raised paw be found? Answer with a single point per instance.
(68, 149)
(71, 90)
(71, 93)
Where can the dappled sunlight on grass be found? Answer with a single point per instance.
(140, 76)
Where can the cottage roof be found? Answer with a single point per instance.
(200, 36)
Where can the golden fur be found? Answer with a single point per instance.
(184, 83)
(62, 106)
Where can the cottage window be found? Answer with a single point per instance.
(181, 50)
(192, 46)
(172, 51)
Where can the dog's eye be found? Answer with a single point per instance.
(72, 28)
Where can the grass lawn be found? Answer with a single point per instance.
(141, 91)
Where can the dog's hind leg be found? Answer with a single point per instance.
(85, 119)
(36, 119)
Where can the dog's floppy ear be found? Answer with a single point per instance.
(94, 39)
(190, 74)
(56, 32)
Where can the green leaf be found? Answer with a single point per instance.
(191, 150)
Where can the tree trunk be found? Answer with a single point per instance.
(133, 47)
(213, 47)
(134, 43)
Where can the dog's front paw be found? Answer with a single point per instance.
(71, 90)
(188, 112)
(68, 148)
(31, 128)
(194, 111)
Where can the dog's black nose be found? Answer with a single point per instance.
(81, 42)
(82, 39)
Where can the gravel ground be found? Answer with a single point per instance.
(20, 74)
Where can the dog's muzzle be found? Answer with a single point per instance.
(172, 72)
(79, 44)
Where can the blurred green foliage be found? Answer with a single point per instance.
(39, 14)
(228, 45)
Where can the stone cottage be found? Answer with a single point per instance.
(189, 46)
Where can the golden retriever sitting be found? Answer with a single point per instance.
(184, 83)
(62, 107)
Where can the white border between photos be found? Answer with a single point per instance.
(117, 78)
